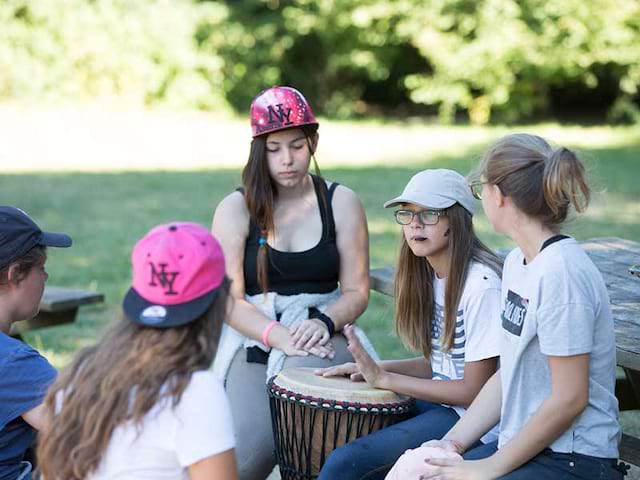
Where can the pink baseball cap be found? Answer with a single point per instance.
(176, 270)
(278, 108)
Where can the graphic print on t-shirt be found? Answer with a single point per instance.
(447, 365)
(513, 313)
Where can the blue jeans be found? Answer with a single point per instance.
(555, 466)
(372, 456)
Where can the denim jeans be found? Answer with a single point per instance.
(372, 456)
(555, 466)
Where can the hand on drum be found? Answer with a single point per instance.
(371, 372)
(312, 335)
(346, 369)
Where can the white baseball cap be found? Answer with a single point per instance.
(436, 189)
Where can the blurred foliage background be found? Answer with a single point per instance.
(477, 61)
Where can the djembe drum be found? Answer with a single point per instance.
(311, 416)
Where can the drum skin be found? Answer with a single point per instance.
(312, 415)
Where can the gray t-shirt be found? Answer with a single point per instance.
(558, 306)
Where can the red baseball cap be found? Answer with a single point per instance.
(176, 270)
(278, 108)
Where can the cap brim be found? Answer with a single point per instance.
(134, 307)
(52, 239)
(424, 201)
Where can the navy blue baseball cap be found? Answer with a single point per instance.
(19, 234)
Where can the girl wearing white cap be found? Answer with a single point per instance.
(555, 392)
(447, 291)
(142, 404)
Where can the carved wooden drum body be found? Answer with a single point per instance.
(311, 416)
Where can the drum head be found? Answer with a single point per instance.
(304, 382)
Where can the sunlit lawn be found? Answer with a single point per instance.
(107, 212)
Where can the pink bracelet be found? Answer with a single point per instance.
(266, 331)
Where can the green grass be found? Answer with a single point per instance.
(107, 212)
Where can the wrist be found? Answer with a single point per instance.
(383, 380)
(325, 320)
(269, 333)
(457, 445)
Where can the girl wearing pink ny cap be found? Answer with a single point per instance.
(142, 404)
(297, 253)
(447, 291)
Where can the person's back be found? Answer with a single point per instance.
(170, 438)
(141, 404)
(561, 282)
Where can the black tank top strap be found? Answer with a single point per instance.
(332, 222)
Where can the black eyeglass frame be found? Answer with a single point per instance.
(437, 213)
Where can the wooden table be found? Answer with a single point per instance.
(613, 257)
(59, 305)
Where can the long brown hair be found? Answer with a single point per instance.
(96, 389)
(414, 292)
(542, 181)
(260, 194)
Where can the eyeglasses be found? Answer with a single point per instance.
(476, 185)
(425, 217)
(476, 188)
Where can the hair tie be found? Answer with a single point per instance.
(262, 241)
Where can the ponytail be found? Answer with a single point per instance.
(564, 183)
(541, 182)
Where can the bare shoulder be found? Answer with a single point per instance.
(348, 211)
(344, 197)
(232, 213)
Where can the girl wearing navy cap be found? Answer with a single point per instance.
(289, 237)
(142, 404)
(447, 292)
(25, 375)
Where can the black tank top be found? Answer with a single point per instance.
(311, 271)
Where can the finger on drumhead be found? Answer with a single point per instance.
(356, 377)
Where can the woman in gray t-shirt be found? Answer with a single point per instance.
(555, 392)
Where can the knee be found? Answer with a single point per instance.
(340, 461)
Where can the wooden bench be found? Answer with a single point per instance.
(59, 305)
(613, 257)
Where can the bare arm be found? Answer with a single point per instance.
(216, 467)
(36, 417)
(452, 392)
(481, 415)
(353, 244)
(569, 397)
(414, 367)
(417, 367)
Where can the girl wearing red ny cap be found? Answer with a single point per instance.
(142, 404)
(297, 253)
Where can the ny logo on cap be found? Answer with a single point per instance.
(281, 114)
(164, 278)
